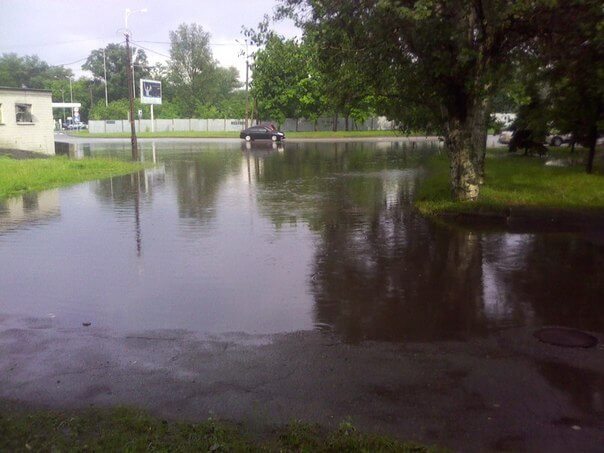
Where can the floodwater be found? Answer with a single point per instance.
(222, 238)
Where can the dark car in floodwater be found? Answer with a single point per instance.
(261, 133)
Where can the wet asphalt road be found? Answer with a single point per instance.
(503, 392)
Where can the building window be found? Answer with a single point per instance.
(23, 112)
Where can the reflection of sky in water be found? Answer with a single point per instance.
(497, 304)
(219, 238)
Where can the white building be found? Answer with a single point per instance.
(26, 120)
(504, 118)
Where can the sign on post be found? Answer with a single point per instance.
(150, 92)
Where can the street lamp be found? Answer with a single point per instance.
(127, 14)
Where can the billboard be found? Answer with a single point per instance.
(150, 92)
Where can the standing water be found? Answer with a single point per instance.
(222, 238)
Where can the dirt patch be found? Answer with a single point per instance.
(21, 154)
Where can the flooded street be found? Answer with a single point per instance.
(267, 285)
(220, 238)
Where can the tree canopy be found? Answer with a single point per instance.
(197, 78)
(115, 58)
(30, 72)
(433, 62)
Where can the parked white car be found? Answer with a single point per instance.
(505, 137)
(558, 139)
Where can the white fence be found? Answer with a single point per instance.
(380, 123)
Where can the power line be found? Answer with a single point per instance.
(69, 64)
(211, 43)
(150, 50)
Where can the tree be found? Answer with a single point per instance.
(437, 60)
(30, 72)
(115, 58)
(198, 80)
(278, 71)
(573, 67)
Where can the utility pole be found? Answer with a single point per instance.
(247, 94)
(133, 81)
(131, 96)
(105, 69)
(131, 92)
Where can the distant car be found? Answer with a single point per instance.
(558, 139)
(75, 126)
(505, 137)
(261, 133)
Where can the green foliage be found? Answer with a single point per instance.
(115, 110)
(234, 105)
(167, 110)
(31, 72)
(432, 64)
(197, 80)
(278, 71)
(129, 430)
(290, 80)
(117, 77)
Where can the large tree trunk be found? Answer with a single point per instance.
(478, 122)
(466, 140)
(466, 145)
(464, 177)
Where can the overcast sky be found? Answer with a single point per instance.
(62, 32)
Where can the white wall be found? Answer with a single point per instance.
(221, 125)
(36, 136)
(28, 208)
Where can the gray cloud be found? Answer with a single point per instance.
(62, 32)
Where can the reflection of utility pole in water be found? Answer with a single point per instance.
(153, 148)
(137, 215)
(249, 174)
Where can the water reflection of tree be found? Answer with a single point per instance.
(198, 178)
(119, 190)
(294, 183)
(562, 278)
(381, 271)
(394, 276)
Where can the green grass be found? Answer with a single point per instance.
(201, 134)
(129, 430)
(516, 181)
(20, 176)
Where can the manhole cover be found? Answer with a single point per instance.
(562, 336)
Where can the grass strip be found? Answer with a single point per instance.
(21, 176)
(514, 181)
(129, 430)
(203, 134)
